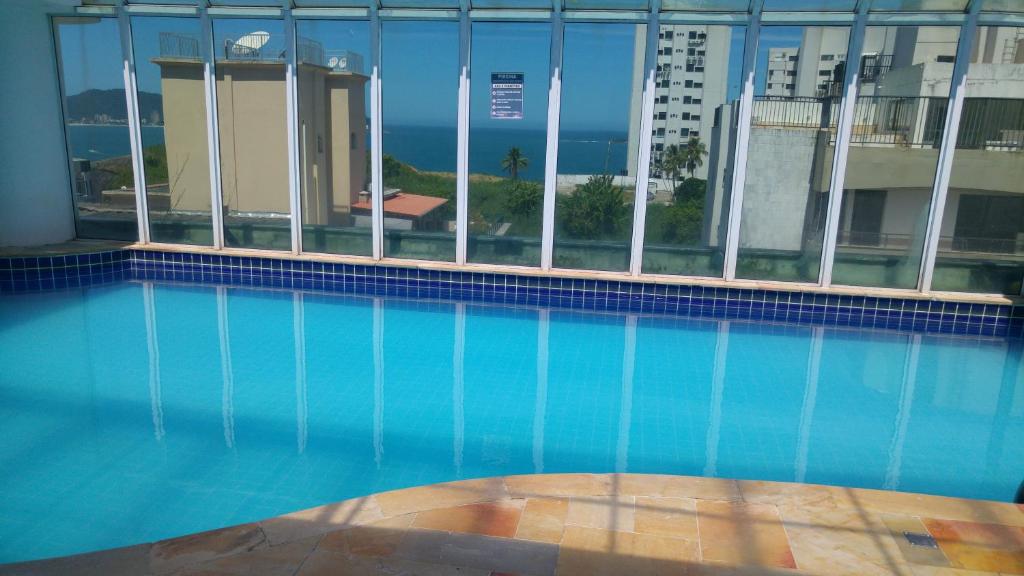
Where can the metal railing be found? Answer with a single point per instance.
(180, 46)
(874, 66)
(257, 47)
(794, 112)
(900, 242)
(992, 124)
(911, 121)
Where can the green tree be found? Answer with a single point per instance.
(672, 162)
(594, 210)
(693, 155)
(690, 190)
(514, 161)
(391, 167)
(522, 199)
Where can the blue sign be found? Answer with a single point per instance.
(507, 95)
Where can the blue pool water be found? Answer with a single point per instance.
(133, 412)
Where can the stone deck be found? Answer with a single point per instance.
(587, 524)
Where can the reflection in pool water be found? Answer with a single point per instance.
(145, 411)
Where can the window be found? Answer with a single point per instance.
(949, 59)
(827, 57)
(96, 125)
(687, 200)
(420, 105)
(891, 168)
(507, 150)
(689, 83)
(334, 178)
(169, 76)
(981, 241)
(596, 187)
(788, 167)
(252, 122)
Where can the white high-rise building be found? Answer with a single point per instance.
(691, 83)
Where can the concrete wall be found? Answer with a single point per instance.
(775, 200)
(35, 192)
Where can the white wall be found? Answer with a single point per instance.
(35, 194)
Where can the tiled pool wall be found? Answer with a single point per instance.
(45, 273)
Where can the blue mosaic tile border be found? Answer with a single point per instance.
(62, 272)
(32, 274)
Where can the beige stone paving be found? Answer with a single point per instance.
(594, 524)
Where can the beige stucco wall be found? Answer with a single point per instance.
(253, 136)
(251, 107)
(188, 159)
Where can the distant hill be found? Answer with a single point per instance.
(92, 103)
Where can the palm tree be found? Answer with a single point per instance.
(693, 155)
(513, 161)
(672, 162)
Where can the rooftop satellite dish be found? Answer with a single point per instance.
(333, 62)
(251, 42)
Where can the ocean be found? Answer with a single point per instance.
(426, 148)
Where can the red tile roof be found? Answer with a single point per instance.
(402, 204)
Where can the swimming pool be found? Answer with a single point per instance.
(134, 411)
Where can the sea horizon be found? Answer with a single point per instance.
(426, 148)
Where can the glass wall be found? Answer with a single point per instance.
(172, 114)
(252, 122)
(981, 242)
(332, 75)
(595, 191)
(699, 73)
(96, 125)
(905, 74)
(507, 141)
(797, 96)
(420, 101)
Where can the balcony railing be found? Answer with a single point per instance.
(179, 46)
(911, 122)
(992, 124)
(874, 66)
(794, 112)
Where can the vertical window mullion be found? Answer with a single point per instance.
(842, 146)
(291, 109)
(739, 176)
(551, 160)
(134, 133)
(462, 147)
(376, 171)
(212, 127)
(643, 164)
(957, 92)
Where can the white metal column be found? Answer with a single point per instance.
(212, 127)
(739, 174)
(842, 147)
(134, 133)
(957, 92)
(376, 172)
(643, 164)
(292, 110)
(551, 155)
(462, 148)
